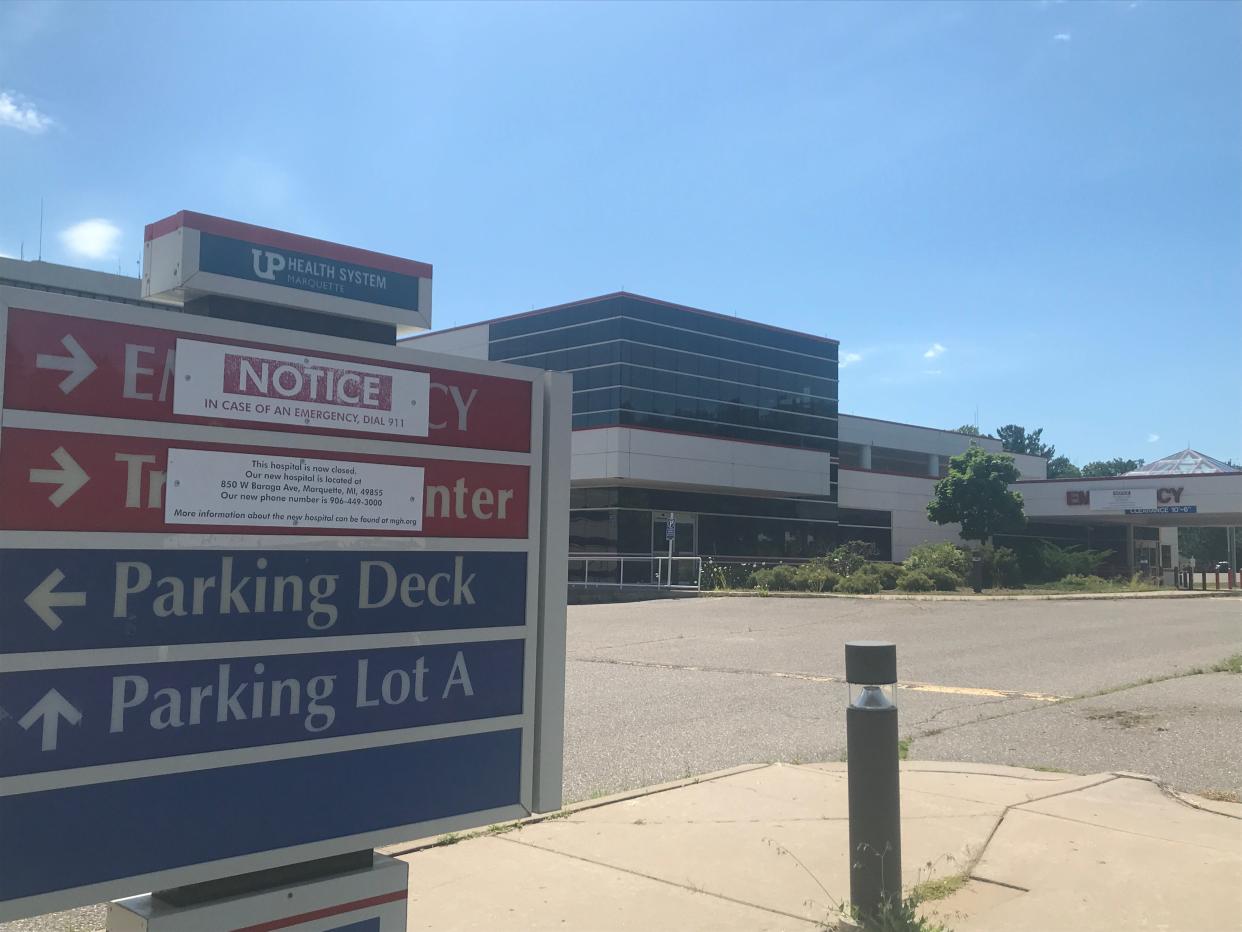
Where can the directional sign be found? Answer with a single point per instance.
(75, 365)
(141, 711)
(92, 482)
(91, 599)
(265, 599)
(48, 711)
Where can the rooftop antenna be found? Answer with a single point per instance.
(40, 229)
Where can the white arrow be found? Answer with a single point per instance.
(44, 600)
(78, 364)
(51, 709)
(70, 477)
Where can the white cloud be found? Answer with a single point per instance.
(850, 358)
(1063, 37)
(20, 114)
(92, 239)
(933, 351)
(1152, 438)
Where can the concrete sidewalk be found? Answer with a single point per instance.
(765, 847)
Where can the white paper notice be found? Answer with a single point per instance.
(1122, 499)
(205, 487)
(242, 384)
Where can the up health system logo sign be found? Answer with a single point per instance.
(237, 258)
(189, 256)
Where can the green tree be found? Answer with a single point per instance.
(970, 429)
(1015, 439)
(976, 495)
(1206, 545)
(1061, 468)
(1114, 467)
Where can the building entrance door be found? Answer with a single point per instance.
(685, 544)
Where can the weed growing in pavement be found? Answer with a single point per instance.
(1229, 665)
(1220, 796)
(903, 748)
(901, 916)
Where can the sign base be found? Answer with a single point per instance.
(372, 899)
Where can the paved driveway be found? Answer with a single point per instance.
(659, 690)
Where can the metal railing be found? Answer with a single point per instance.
(635, 572)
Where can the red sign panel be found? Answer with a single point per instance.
(59, 481)
(77, 365)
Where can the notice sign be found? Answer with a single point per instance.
(217, 380)
(1122, 499)
(204, 487)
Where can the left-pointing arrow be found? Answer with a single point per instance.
(70, 477)
(78, 364)
(45, 600)
(50, 709)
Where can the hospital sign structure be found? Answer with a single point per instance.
(270, 596)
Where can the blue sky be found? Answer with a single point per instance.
(1034, 209)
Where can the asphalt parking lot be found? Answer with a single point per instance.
(660, 690)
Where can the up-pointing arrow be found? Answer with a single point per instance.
(45, 600)
(70, 477)
(51, 709)
(78, 364)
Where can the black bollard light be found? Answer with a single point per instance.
(874, 788)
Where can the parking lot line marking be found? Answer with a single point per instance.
(979, 691)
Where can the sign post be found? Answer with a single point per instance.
(670, 534)
(273, 598)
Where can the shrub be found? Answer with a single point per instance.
(861, 583)
(815, 577)
(945, 564)
(727, 575)
(888, 574)
(779, 578)
(1041, 561)
(850, 557)
(1001, 567)
(1076, 582)
(942, 556)
(943, 579)
(915, 581)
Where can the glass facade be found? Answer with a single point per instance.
(618, 519)
(642, 363)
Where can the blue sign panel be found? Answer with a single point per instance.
(78, 717)
(670, 526)
(81, 599)
(206, 815)
(271, 265)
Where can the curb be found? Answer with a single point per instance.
(436, 841)
(958, 597)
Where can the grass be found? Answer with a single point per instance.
(1220, 796)
(1228, 665)
(938, 888)
(903, 748)
(1231, 664)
